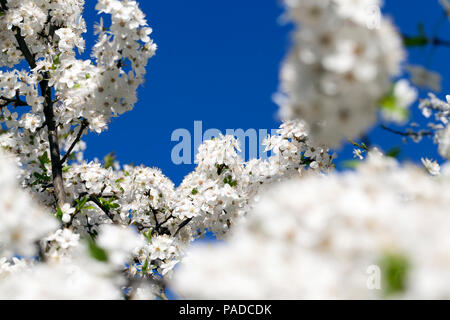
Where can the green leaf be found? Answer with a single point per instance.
(59, 214)
(66, 169)
(119, 180)
(145, 267)
(114, 205)
(81, 203)
(43, 160)
(229, 180)
(394, 271)
(221, 168)
(418, 41)
(394, 152)
(96, 252)
(109, 160)
(57, 60)
(351, 164)
(148, 235)
(109, 204)
(41, 177)
(194, 191)
(389, 104)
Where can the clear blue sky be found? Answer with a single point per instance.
(218, 62)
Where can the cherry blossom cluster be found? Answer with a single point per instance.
(318, 237)
(65, 269)
(292, 227)
(215, 197)
(83, 94)
(339, 67)
(433, 107)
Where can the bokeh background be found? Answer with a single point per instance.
(218, 62)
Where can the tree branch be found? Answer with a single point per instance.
(97, 201)
(422, 40)
(24, 47)
(408, 133)
(55, 155)
(182, 225)
(17, 102)
(83, 126)
(46, 92)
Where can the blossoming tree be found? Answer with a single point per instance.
(76, 229)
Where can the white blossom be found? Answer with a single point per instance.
(338, 69)
(316, 237)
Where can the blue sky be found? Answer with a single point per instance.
(218, 62)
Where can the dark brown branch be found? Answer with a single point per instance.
(46, 92)
(155, 212)
(422, 41)
(99, 204)
(182, 225)
(16, 102)
(408, 133)
(165, 221)
(83, 126)
(55, 155)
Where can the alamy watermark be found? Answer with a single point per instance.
(373, 17)
(250, 141)
(373, 277)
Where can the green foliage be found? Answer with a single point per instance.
(81, 204)
(56, 61)
(145, 267)
(361, 145)
(43, 160)
(306, 161)
(59, 214)
(417, 41)
(96, 252)
(109, 204)
(221, 168)
(394, 269)
(350, 164)
(394, 152)
(42, 177)
(148, 235)
(229, 180)
(109, 160)
(389, 104)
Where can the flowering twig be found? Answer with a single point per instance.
(46, 92)
(407, 133)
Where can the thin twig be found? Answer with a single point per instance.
(182, 225)
(407, 134)
(96, 200)
(83, 126)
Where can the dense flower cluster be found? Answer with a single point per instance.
(73, 229)
(22, 222)
(339, 68)
(321, 242)
(27, 229)
(438, 112)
